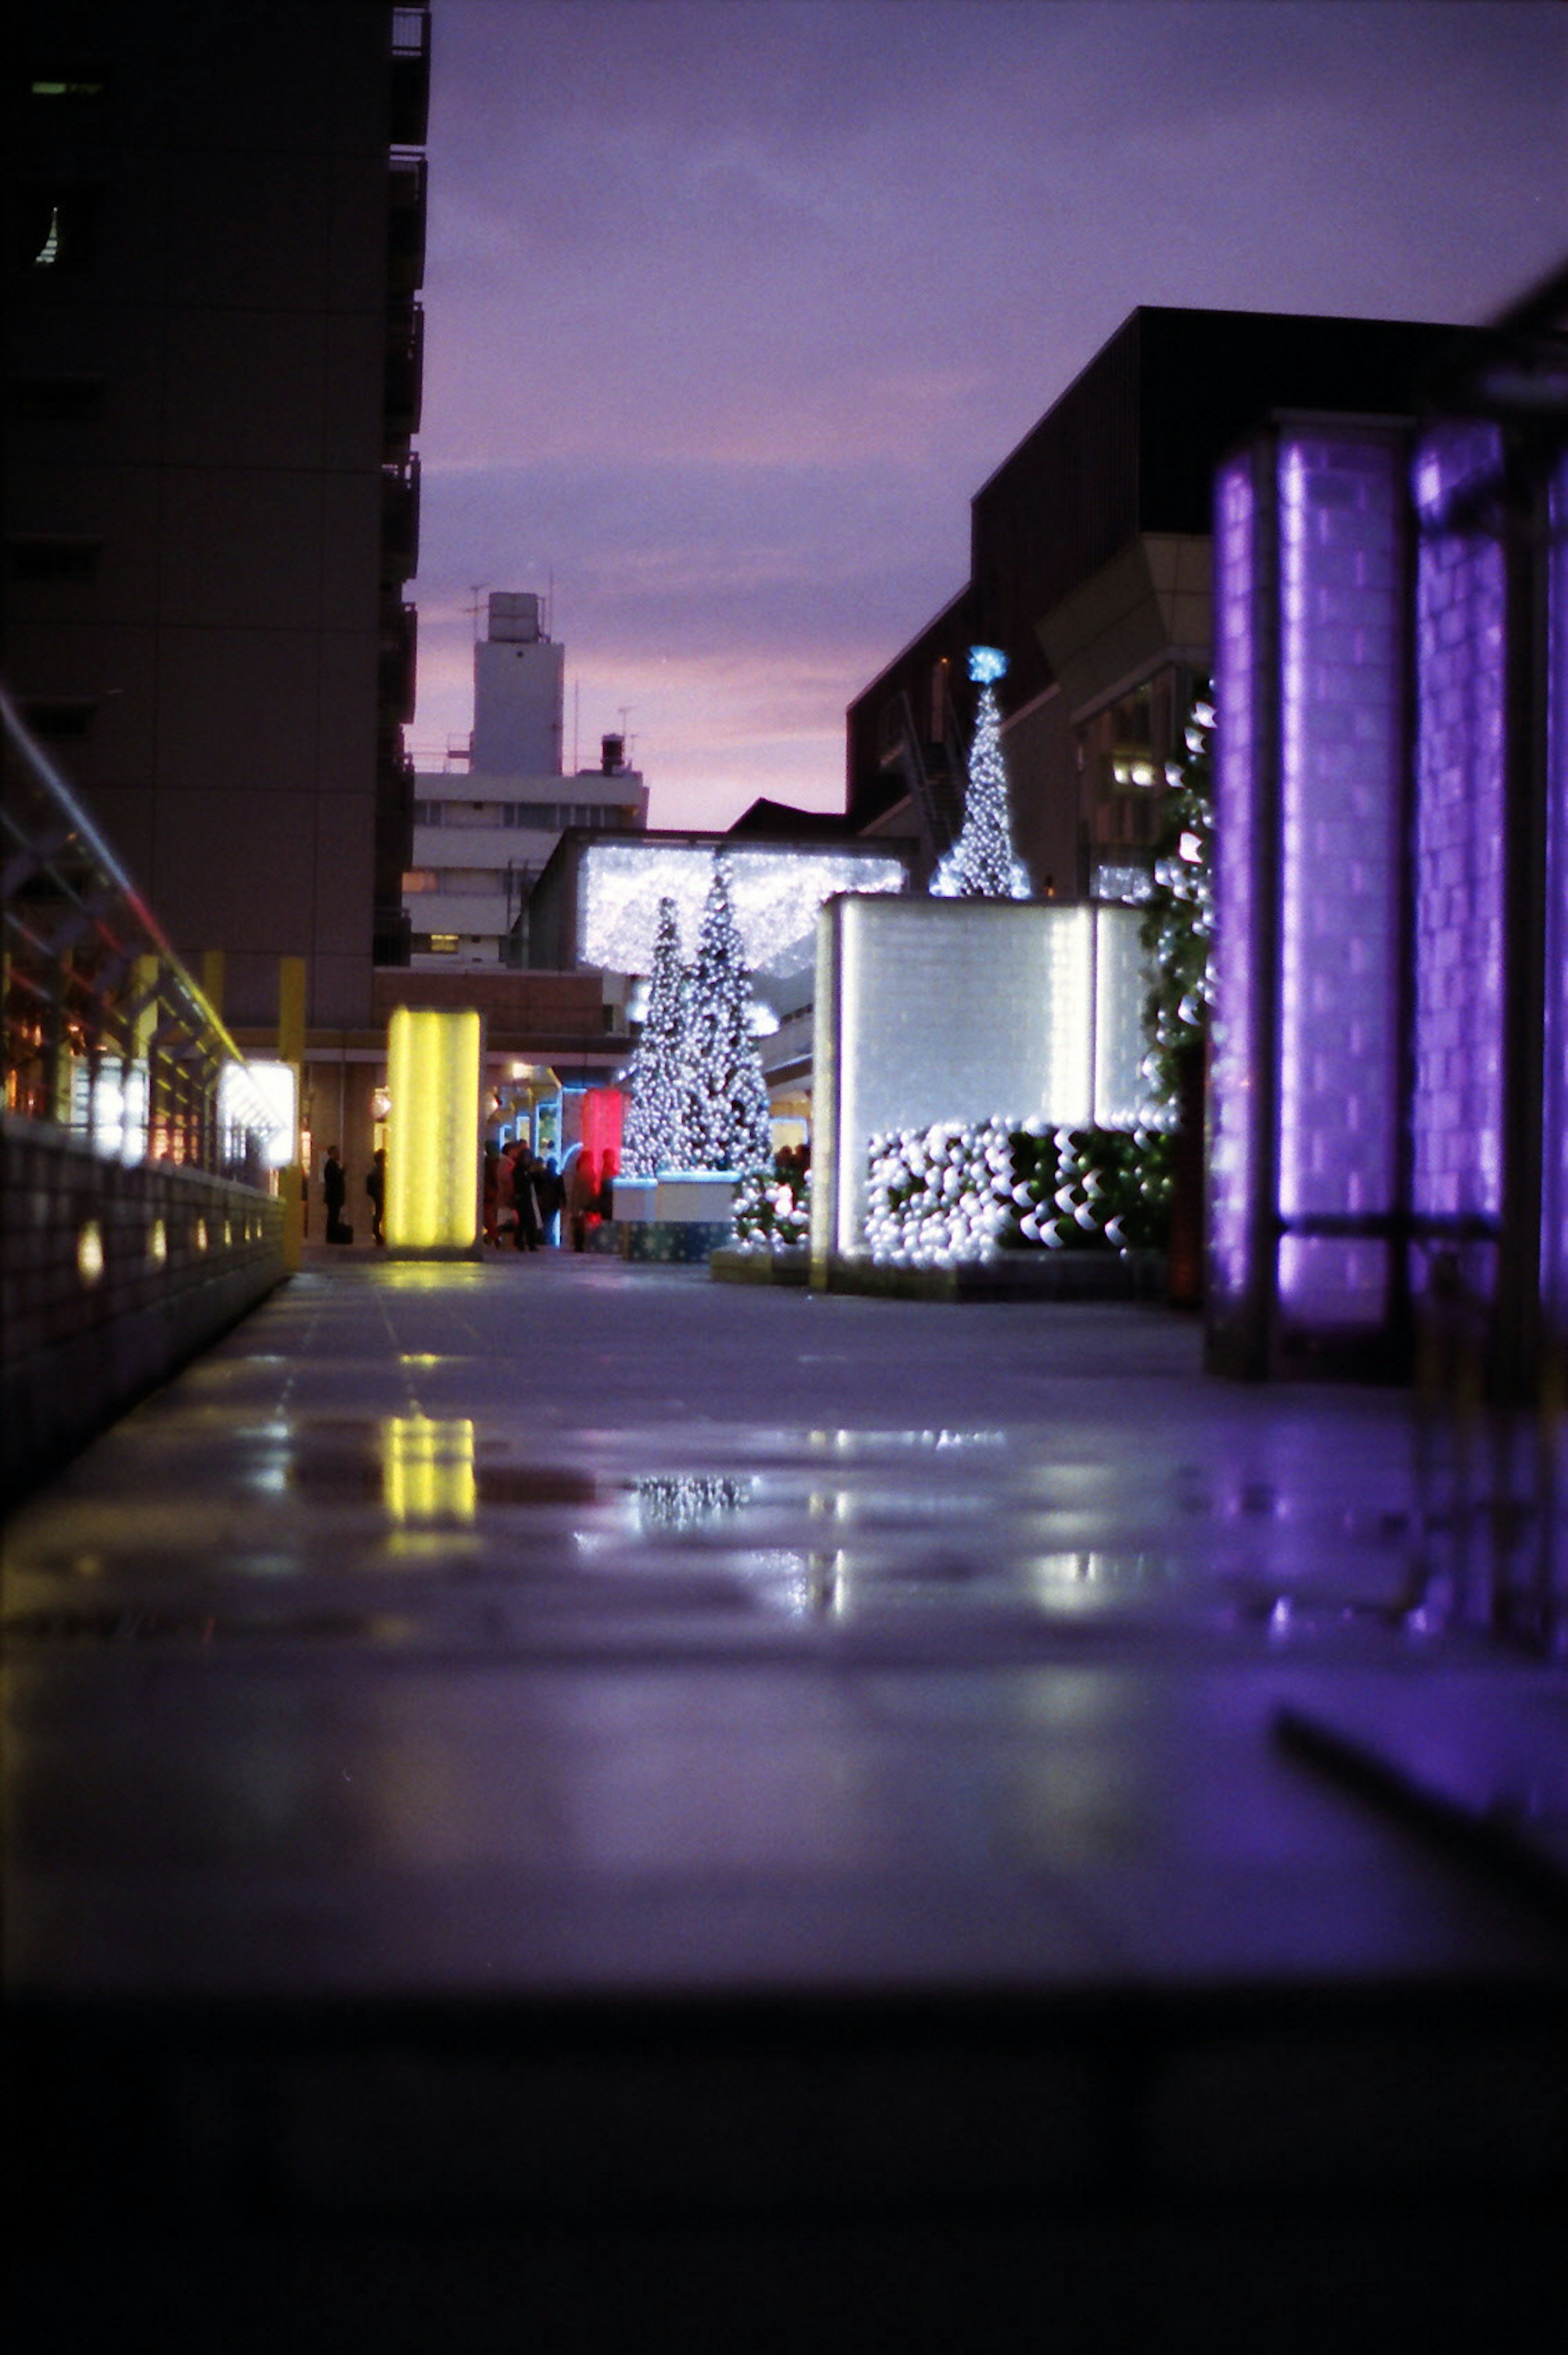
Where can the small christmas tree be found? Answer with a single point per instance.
(655, 1137)
(726, 1106)
(981, 865)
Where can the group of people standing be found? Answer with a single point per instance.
(524, 1196)
(334, 1196)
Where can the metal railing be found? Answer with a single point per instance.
(105, 1034)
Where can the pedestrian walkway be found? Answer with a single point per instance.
(552, 1635)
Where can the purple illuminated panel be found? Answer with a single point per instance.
(1554, 1204)
(1233, 1076)
(1456, 1119)
(1341, 505)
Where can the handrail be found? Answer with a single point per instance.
(105, 1034)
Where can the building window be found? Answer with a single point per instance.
(436, 943)
(53, 556)
(428, 813)
(420, 878)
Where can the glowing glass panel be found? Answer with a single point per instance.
(1554, 1202)
(1340, 501)
(953, 1010)
(260, 1099)
(1458, 1111)
(432, 1130)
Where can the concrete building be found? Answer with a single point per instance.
(214, 369)
(487, 824)
(1090, 566)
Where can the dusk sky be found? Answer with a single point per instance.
(733, 305)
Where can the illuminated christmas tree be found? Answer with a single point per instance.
(1178, 922)
(726, 1106)
(655, 1137)
(981, 865)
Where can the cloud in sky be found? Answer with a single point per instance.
(733, 303)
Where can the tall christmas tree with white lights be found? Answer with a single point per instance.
(655, 1137)
(981, 865)
(726, 1110)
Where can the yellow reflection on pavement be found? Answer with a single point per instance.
(427, 1469)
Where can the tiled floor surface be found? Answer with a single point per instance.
(560, 1625)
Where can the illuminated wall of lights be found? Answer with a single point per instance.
(775, 895)
(1458, 1103)
(1554, 1184)
(1388, 1022)
(1341, 532)
(433, 1063)
(932, 1010)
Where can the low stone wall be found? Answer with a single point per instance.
(667, 1242)
(1012, 1276)
(111, 1278)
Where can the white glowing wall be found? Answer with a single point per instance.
(943, 1010)
(775, 895)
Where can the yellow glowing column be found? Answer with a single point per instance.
(433, 1063)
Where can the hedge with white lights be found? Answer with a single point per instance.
(963, 1190)
(772, 1210)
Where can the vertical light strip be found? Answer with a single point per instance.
(1554, 1173)
(1341, 497)
(432, 1130)
(1235, 1071)
(1458, 1101)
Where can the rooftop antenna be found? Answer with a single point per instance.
(476, 591)
(576, 717)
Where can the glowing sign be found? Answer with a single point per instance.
(433, 1130)
(260, 1099)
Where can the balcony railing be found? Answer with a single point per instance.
(404, 379)
(399, 520)
(106, 1036)
(410, 76)
(405, 224)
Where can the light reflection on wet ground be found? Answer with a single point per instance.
(599, 1571)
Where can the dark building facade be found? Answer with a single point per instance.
(1090, 567)
(215, 241)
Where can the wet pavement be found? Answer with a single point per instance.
(566, 1804)
(561, 1626)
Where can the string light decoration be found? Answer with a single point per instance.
(725, 1110)
(775, 895)
(981, 864)
(969, 1190)
(655, 1135)
(1179, 924)
(773, 1210)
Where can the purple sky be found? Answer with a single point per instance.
(733, 303)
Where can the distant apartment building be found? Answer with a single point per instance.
(1091, 564)
(213, 373)
(487, 824)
